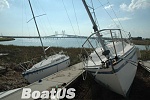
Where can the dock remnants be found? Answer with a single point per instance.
(61, 79)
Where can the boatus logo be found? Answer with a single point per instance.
(58, 93)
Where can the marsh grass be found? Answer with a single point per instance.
(145, 55)
(141, 42)
(18, 54)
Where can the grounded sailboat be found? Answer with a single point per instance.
(48, 65)
(114, 64)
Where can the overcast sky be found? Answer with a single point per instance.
(71, 16)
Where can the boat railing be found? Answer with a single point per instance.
(28, 64)
(90, 44)
(55, 52)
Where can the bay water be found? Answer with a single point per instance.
(56, 42)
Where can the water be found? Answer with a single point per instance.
(142, 47)
(60, 42)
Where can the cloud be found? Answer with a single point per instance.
(135, 5)
(4, 4)
(123, 6)
(122, 19)
(109, 6)
(113, 26)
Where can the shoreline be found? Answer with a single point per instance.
(141, 42)
(6, 39)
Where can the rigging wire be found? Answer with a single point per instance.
(68, 16)
(96, 21)
(108, 14)
(22, 19)
(70, 20)
(46, 17)
(25, 28)
(116, 15)
(76, 17)
(113, 19)
(76, 21)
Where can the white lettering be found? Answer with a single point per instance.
(53, 93)
(59, 91)
(70, 93)
(36, 94)
(45, 95)
(26, 93)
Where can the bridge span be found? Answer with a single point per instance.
(51, 36)
(55, 36)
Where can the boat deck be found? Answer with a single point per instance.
(60, 79)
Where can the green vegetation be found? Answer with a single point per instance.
(6, 39)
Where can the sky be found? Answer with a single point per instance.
(55, 16)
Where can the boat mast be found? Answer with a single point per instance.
(94, 26)
(37, 27)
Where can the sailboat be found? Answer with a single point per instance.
(48, 65)
(113, 64)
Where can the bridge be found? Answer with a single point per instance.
(55, 36)
(50, 36)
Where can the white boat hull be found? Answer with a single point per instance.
(121, 79)
(39, 74)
